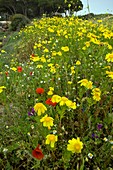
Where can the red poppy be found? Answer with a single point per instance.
(39, 90)
(37, 153)
(49, 102)
(31, 73)
(19, 69)
(6, 73)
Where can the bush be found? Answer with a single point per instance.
(18, 21)
(87, 16)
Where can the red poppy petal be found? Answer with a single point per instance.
(37, 153)
(40, 90)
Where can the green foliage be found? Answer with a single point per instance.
(18, 21)
(36, 8)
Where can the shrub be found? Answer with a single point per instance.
(18, 21)
(87, 16)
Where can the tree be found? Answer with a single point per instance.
(49, 6)
(73, 5)
(33, 8)
(9, 6)
(25, 7)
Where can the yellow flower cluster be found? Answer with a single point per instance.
(47, 121)
(89, 85)
(109, 58)
(63, 101)
(96, 94)
(37, 58)
(72, 70)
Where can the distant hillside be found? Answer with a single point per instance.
(96, 16)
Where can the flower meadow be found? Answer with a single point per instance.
(56, 96)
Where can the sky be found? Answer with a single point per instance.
(97, 7)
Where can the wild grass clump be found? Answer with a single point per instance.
(56, 96)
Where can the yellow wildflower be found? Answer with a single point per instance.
(35, 59)
(71, 104)
(107, 67)
(13, 68)
(83, 82)
(75, 145)
(51, 139)
(65, 49)
(47, 121)
(110, 74)
(84, 48)
(109, 47)
(39, 45)
(1, 88)
(53, 69)
(43, 59)
(72, 70)
(86, 83)
(51, 88)
(63, 101)
(39, 66)
(56, 99)
(40, 108)
(69, 82)
(50, 92)
(59, 53)
(50, 30)
(78, 63)
(50, 65)
(89, 85)
(46, 50)
(3, 51)
(109, 57)
(99, 20)
(87, 44)
(96, 97)
(54, 53)
(96, 94)
(96, 90)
